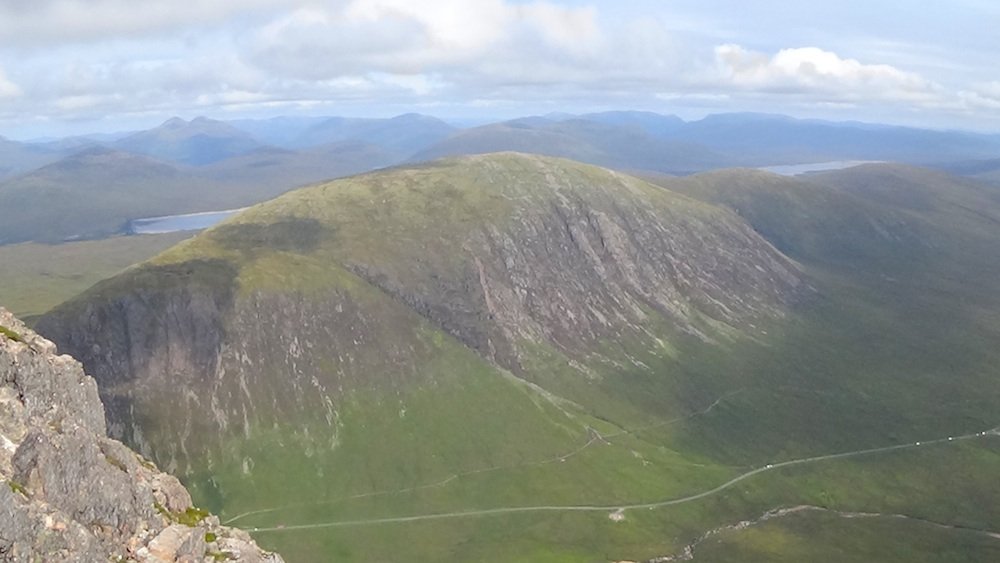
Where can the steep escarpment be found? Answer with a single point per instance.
(507, 254)
(70, 493)
(395, 329)
(172, 324)
(569, 255)
(503, 249)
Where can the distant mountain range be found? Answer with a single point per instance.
(626, 147)
(89, 186)
(95, 192)
(17, 158)
(404, 135)
(196, 142)
(665, 142)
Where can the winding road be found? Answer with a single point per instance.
(623, 507)
(594, 437)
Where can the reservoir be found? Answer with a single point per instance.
(797, 169)
(175, 223)
(200, 221)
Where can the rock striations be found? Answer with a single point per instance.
(520, 258)
(72, 494)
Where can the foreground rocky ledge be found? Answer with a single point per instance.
(69, 493)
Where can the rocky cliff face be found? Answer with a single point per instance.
(69, 493)
(584, 256)
(305, 299)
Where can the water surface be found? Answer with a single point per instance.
(798, 169)
(176, 223)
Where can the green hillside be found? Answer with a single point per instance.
(812, 222)
(952, 202)
(507, 357)
(36, 277)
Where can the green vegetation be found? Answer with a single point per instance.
(117, 463)
(811, 222)
(163, 511)
(10, 334)
(191, 517)
(364, 402)
(17, 488)
(819, 536)
(37, 277)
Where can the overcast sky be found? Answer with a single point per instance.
(69, 66)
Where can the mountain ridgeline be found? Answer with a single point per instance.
(515, 257)
(496, 353)
(90, 187)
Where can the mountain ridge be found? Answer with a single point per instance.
(478, 335)
(196, 142)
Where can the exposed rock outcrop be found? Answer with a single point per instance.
(280, 313)
(69, 493)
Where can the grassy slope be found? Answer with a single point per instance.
(826, 537)
(833, 380)
(475, 419)
(36, 277)
(500, 441)
(897, 348)
(810, 222)
(471, 418)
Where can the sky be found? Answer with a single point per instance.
(76, 66)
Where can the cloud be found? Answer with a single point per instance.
(573, 30)
(44, 23)
(449, 25)
(810, 70)
(80, 59)
(81, 86)
(982, 96)
(7, 88)
(401, 37)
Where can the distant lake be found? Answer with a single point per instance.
(797, 169)
(200, 221)
(175, 223)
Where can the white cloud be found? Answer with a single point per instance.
(7, 88)
(452, 25)
(44, 23)
(78, 87)
(86, 102)
(819, 72)
(982, 96)
(401, 37)
(79, 59)
(575, 30)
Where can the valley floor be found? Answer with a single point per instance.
(715, 542)
(36, 277)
